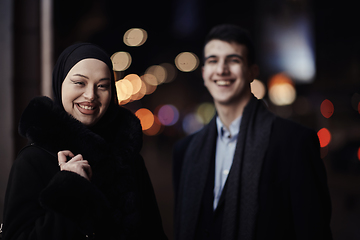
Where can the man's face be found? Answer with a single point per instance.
(226, 72)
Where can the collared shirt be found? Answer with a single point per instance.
(225, 150)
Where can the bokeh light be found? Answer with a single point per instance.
(186, 61)
(124, 90)
(146, 118)
(205, 112)
(358, 153)
(327, 108)
(191, 124)
(121, 61)
(170, 72)
(157, 73)
(135, 37)
(324, 137)
(150, 88)
(155, 129)
(258, 89)
(281, 90)
(168, 115)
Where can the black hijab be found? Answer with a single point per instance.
(71, 56)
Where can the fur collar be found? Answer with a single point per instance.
(52, 128)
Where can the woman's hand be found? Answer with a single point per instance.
(76, 164)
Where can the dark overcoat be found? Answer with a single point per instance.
(43, 202)
(276, 188)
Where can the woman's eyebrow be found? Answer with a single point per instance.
(83, 76)
(80, 75)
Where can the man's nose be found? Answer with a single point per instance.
(222, 68)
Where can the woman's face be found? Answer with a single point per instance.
(86, 90)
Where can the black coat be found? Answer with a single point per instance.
(276, 188)
(43, 202)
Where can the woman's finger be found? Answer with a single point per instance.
(76, 158)
(62, 156)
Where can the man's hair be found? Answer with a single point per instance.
(233, 33)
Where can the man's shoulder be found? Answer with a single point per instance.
(288, 129)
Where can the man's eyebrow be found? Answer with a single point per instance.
(211, 56)
(228, 56)
(235, 55)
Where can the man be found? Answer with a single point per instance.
(248, 174)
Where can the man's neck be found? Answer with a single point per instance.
(229, 112)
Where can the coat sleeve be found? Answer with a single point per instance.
(32, 211)
(309, 192)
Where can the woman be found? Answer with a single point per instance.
(81, 176)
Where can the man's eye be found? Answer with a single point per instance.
(235, 60)
(211, 61)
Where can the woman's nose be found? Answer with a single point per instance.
(89, 93)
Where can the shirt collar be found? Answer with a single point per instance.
(234, 127)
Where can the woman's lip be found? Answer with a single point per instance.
(86, 108)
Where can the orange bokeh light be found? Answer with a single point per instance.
(327, 108)
(324, 136)
(146, 118)
(155, 128)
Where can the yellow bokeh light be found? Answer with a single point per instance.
(158, 72)
(135, 37)
(124, 89)
(186, 61)
(150, 79)
(135, 81)
(170, 72)
(141, 93)
(258, 89)
(205, 112)
(281, 90)
(121, 61)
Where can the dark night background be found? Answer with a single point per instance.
(176, 26)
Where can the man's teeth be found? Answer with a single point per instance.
(223, 82)
(86, 107)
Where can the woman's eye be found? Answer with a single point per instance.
(78, 82)
(103, 86)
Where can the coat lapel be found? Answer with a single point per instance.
(194, 175)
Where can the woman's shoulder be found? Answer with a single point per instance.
(35, 157)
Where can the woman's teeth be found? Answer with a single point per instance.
(86, 107)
